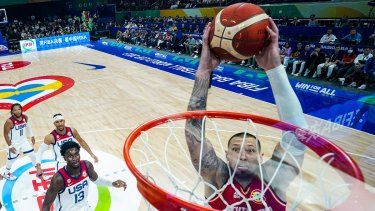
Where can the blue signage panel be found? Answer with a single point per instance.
(62, 41)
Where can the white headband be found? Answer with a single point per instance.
(58, 117)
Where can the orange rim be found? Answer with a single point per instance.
(163, 200)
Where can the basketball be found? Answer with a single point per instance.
(239, 32)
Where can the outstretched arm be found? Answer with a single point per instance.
(100, 181)
(289, 110)
(210, 163)
(48, 140)
(84, 144)
(56, 185)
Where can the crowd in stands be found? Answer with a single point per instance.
(173, 4)
(348, 64)
(34, 28)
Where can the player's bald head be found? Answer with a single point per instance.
(241, 135)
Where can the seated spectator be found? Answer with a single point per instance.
(342, 66)
(168, 39)
(190, 30)
(119, 36)
(173, 28)
(295, 22)
(313, 21)
(196, 30)
(305, 55)
(284, 21)
(189, 45)
(295, 55)
(353, 38)
(160, 40)
(285, 52)
(368, 73)
(316, 57)
(197, 47)
(330, 63)
(328, 38)
(180, 42)
(359, 63)
(344, 22)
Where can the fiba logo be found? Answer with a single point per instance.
(256, 196)
(28, 45)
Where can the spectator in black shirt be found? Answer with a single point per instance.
(330, 64)
(316, 57)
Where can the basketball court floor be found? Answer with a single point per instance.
(105, 104)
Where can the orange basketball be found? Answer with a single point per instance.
(239, 32)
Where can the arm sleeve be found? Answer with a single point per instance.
(288, 106)
(103, 182)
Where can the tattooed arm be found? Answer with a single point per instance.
(212, 167)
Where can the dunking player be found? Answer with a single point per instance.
(16, 130)
(56, 138)
(246, 179)
(70, 184)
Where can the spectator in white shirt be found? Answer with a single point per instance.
(328, 38)
(363, 57)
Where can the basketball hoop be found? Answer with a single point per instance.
(163, 200)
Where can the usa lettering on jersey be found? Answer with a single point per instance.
(74, 195)
(17, 133)
(61, 142)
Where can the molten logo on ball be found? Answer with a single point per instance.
(239, 32)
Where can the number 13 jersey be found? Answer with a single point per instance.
(74, 195)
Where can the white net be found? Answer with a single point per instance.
(161, 154)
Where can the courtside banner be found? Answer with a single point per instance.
(62, 41)
(46, 43)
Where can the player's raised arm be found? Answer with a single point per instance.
(198, 101)
(289, 110)
(57, 183)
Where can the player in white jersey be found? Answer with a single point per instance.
(16, 130)
(56, 138)
(68, 189)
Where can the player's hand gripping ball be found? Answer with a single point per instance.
(239, 31)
